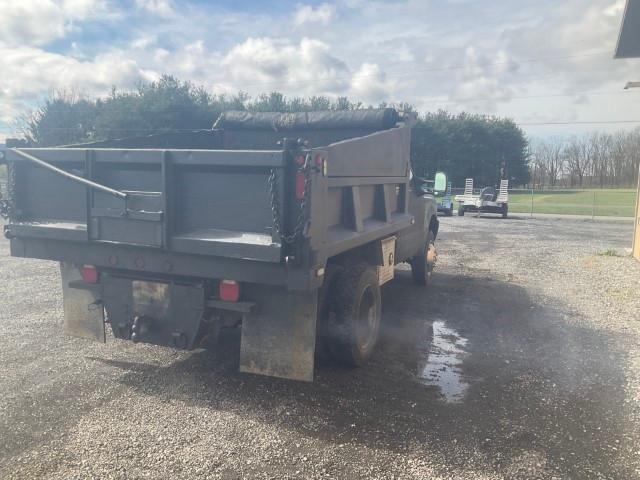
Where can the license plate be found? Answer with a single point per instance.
(151, 298)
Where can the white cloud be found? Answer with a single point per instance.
(37, 22)
(307, 67)
(28, 73)
(27, 70)
(479, 83)
(144, 41)
(322, 14)
(370, 84)
(162, 8)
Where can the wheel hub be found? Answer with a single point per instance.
(432, 255)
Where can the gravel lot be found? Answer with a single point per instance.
(523, 361)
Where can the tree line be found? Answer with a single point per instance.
(597, 159)
(463, 145)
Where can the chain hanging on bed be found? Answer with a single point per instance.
(275, 205)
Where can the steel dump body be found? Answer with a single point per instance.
(238, 207)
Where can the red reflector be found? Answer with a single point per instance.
(89, 274)
(300, 185)
(300, 159)
(229, 290)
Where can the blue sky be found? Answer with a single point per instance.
(540, 62)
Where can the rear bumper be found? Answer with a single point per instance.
(148, 261)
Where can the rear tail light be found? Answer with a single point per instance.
(89, 274)
(300, 185)
(229, 290)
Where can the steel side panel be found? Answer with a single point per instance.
(279, 338)
(235, 158)
(341, 239)
(83, 310)
(381, 154)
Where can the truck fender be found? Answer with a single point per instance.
(434, 226)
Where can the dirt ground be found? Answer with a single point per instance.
(522, 361)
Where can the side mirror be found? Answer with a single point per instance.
(440, 182)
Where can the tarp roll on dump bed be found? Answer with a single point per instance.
(374, 119)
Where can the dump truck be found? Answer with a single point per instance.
(284, 226)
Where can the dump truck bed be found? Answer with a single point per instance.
(216, 203)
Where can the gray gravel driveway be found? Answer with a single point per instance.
(522, 361)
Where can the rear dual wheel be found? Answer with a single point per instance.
(352, 314)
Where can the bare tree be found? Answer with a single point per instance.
(578, 158)
(549, 156)
(631, 162)
(598, 159)
(598, 148)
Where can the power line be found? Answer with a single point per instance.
(521, 97)
(398, 74)
(585, 122)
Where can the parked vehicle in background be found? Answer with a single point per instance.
(443, 196)
(282, 225)
(488, 201)
(440, 188)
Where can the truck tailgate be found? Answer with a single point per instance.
(210, 202)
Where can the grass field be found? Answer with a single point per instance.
(601, 202)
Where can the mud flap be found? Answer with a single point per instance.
(83, 309)
(279, 338)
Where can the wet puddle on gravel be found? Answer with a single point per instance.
(444, 360)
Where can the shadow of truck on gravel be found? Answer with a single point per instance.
(543, 398)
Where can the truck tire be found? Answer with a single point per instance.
(460, 210)
(421, 270)
(354, 317)
(505, 210)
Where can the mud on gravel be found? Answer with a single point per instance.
(521, 361)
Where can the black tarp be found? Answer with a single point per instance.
(373, 119)
(247, 130)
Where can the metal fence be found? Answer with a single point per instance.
(591, 202)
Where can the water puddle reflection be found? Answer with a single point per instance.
(443, 362)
